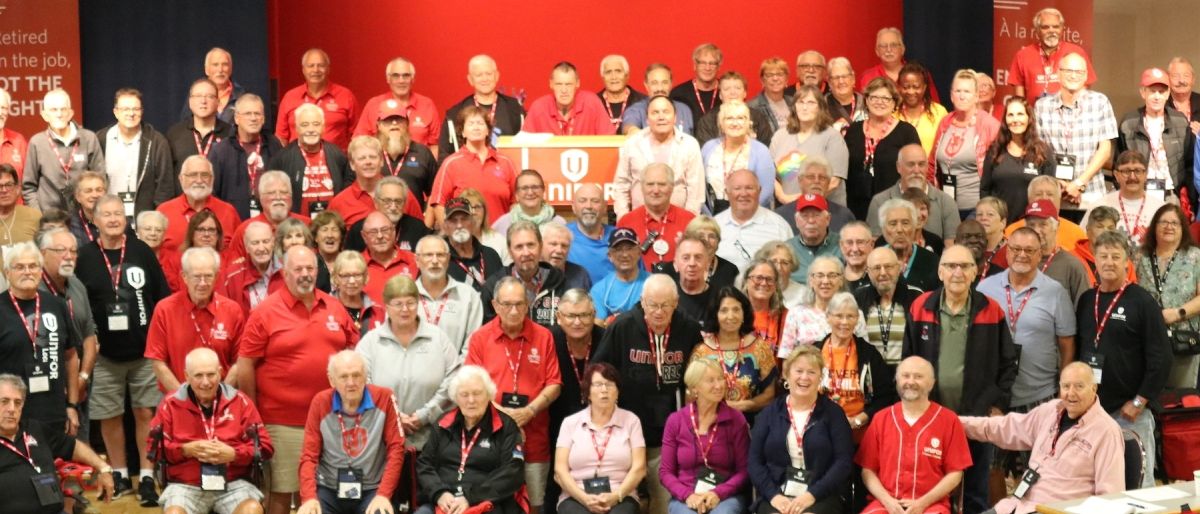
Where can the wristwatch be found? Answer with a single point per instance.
(1182, 313)
(105, 469)
(85, 376)
(1138, 402)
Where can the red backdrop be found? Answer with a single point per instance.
(1013, 29)
(38, 52)
(527, 38)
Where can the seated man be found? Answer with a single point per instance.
(207, 444)
(937, 452)
(1090, 449)
(360, 466)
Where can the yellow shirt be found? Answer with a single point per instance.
(926, 124)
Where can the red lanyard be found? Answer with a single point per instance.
(1014, 316)
(87, 229)
(1100, 323)
(870, 143)
(517, 366)
(587, 356)
(27, 454)
(797, 433)
(992, 255)
(615, 118)
(1046, 265)
(320, 162)
(395, 171)
(210, 428)
(441, 307)
(466, 448)
(712, 435)
(601, 448)
(566, 127)
(203, 150)
(253, 162)
(342, 423)
(54, 290)
(700, 102)
(834, 382)
(66, 165)
(658, 347)
(199, 333)
(730, 372)
(492, 113)
(37, 316)
(1131, 229)
(114, 273)
(471, 273)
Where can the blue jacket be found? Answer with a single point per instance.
(828, 450)
(760, 163)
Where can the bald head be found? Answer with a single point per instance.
(200, 358)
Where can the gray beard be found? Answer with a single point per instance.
(460, 236)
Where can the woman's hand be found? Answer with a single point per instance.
(802, 502)
(782, 503)
(1171, 316)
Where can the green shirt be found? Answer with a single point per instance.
(952, 354)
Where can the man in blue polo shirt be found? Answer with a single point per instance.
(589, 245)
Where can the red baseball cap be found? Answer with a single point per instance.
(1043, 209)
(1154, 76)
(389, 108)
(810, 200)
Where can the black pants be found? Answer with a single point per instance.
(572, 506)
(830, 505)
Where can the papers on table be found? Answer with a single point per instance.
(1157, 494)
(1097, 505)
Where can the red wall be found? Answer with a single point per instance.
(527, 38)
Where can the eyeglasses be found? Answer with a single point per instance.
(8, 185)
(1170, 223)
(959, 266)
(655, 307)
(206, 230)
(604, 385)
(376, 232)
(527, 189)
(881, 99)
(510, 306)
(1133, 171)
(810, 66)
(390, 201)
(761, 279)
(576, 318)
(1020, 250)
(204, 278)
(824, 276)
(710, 64)
(404, 305)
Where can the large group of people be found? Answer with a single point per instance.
(835, 296)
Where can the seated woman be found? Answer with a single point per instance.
(855, 374)
(807, 324)
(473, 456)
(801, 448)
(704, 448)
(600, 456)
(746, 360)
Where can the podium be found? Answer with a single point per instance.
(566, 162)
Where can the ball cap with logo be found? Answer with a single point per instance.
(454, 205)
(1154, 76)
(809, 200)
(1041, 209)
(622, 235)
(390, 108)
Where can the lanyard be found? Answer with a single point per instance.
(517, 366)
(37, 317)
(870, 144)
(203, 150)
(834, 382)
(210, 428)
(885, 330)
(492, 113)
(87, 228)
(441, 307)
(1131, 229)
(114, 273)
(66, 165)
(601, 449)
(658, 346)
(1014, 316)
(712, 435)
(987, 263)
(199, 333)
(587, 356)
(479, 279)
(342, 423)
(797, 433)
(730, 371)
(254, 161)
(27, 454)
(615, 118)
(395, 170)
(466, 449)
(1159, 279)
(1046, 265)
(319, 163)
(729, 166)
(700, 102)
(54, 290)
(1101, 322)
(566, 127)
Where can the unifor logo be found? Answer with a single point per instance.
(50, 321)
(136, 277)
(574, 164)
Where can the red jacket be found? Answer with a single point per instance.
(180, 420)
(237, 280)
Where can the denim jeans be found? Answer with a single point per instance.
(736, 504)
(331, 504)
(976, 494)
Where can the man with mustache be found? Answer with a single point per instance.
(1034, 68)
(390, 196)
(658, 83)
(884, 302)
(589, 233)
(914, 452)
(19, 221)
(1161, 135)
(419, 112)
(196, 178)
(282, 356)
(470, 260)
(124, 282)
(1132, 200)
(318, 169)
(239, 161)
(59, 254)
(449, 304)
(336, 101)
(275, 197)
(957, 329)
(912, 165)
(55, 155)
(544, 284)
(401, 156)
(556, 245)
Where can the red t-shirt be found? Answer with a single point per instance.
(339, 104)
(532, 354)
(670, 229)
(424, 122)
(178, 326)
(404, 263)
(293, 346)
(588, 117)
(495, 178)
(179, 213)
(1039, 74)
(911, 459)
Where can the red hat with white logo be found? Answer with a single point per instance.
(810, 200)
(1042, 209)
(1154, 76)
(389, 108)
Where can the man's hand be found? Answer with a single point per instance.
(312, 506)
(521, 415)
(105, 480)
(1195, 125)
(892, 505)
(222, 453)
(379, 505)
(1130, 412)
(72, 422)
(916, 506)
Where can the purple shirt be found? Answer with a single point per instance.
(681, 456)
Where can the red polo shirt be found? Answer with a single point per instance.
(237, 246)
(424, 122)
(179, 213)
(669, 228)
(355, 204)
(404, 263)
(339, 104)
(532, 354)
(12, 151)
(239, 275)
(293, 346)
(178, 326)
(588, 117)
(495, 178)
(1039, 74)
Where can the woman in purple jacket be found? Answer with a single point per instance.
(802, 451)
(704, 448)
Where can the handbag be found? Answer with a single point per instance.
(1184, 342)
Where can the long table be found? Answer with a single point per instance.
(1172, 506)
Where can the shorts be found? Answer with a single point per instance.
(536, 475)
(284, 469)
(111, 378)
(191, 499)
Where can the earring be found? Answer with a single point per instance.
(786, 385)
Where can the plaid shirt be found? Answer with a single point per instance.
(1077, 130)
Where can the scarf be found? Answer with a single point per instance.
(543, 216)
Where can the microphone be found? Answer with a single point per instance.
(650, 237)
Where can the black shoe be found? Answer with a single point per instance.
(121, 485)
(147, 493)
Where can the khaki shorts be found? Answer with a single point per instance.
(284, 470)
(112, 378)
(536, 475)
(192, 499)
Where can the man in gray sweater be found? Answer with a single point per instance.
(56, 154)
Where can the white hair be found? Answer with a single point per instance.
(346, 356)
(839, 61)
(274, 175)
(309, 109)
(471, 372)
(197, 251)
(19, 250)
(659, 282)
(145, 217)
(45, 239)
(615, 57)
(897, 203)
(556, 226)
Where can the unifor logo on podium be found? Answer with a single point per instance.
(573, 164)
(566, 162)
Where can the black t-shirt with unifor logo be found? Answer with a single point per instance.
(45, 373)
(1136, 355)
(140, 286)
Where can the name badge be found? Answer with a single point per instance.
(39, 379)
(48, 489)
(1064, 168)
(349, 485)
(597, 485)
(796, 483)
(80, 158)
(707, 479)
(212, 477)
(514, 400)
(1156, 189)
(1030, 169)
(127, 199)
(1027, 480)
(118, 316)
(255, 208)
(1096, 362)
(661, 247)
(317, 207)
(950, 185)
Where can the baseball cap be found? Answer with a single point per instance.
(1154, 76)
(1043, 209)
(389, 108)
(810, 200)
(622, 235)
(454, 205)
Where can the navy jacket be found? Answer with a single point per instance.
(828, 450)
